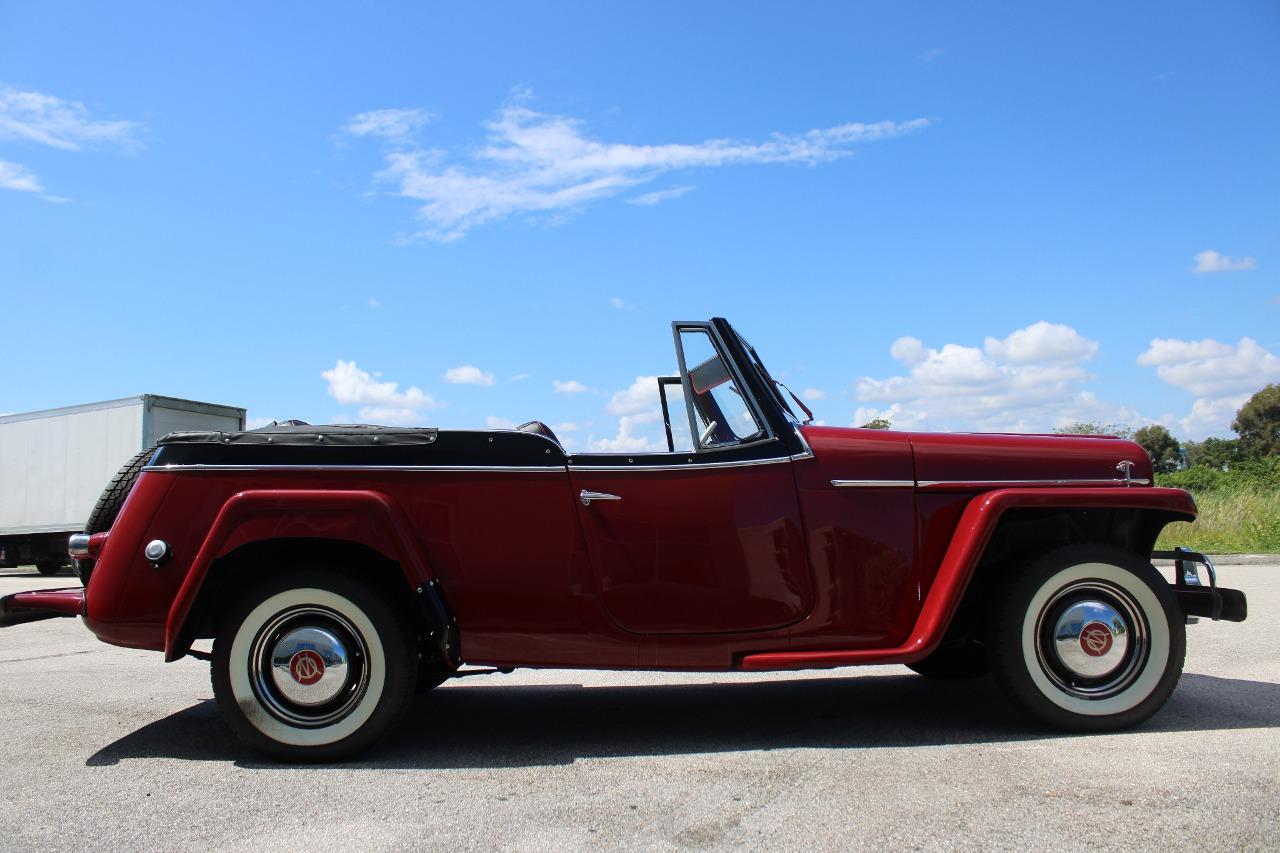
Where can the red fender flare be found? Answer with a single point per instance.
(974, 531)
(367, 517)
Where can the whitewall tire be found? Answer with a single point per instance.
(313, 666)
(1087, 638)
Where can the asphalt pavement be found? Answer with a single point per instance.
(108, 748)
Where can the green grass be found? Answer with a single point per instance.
(1238, 515)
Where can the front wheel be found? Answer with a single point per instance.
(1088, 638)
(313, 666)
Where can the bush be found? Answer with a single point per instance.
(1239, 508)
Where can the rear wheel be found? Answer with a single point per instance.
(49, 567)
(313, 666)
(1088, 638)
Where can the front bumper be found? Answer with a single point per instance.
(1196, 599)
(37, 604)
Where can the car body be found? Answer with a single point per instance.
(753, 541)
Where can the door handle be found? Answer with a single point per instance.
(587, 497)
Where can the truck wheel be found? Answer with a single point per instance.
(313, 666)
(49, 567)
(1089, 638)
(967, 660)
(104, 512)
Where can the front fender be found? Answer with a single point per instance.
(977, 524)
(369, 518)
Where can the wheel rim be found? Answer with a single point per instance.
(1092, 639)
(309, 666)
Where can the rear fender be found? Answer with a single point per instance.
(368, 518)
(977, 524)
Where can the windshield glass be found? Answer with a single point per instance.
(770, 383)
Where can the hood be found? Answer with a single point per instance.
(982, 457)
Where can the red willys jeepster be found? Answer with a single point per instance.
(338, 569)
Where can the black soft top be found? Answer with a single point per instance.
(333, 435)
(297, 443)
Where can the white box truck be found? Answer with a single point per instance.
(55, 463)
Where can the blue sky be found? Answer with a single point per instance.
(1006, 218)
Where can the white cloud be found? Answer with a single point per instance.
(374, 303)
(622, 304)
(1210, 261)
(49, 120)
(545, 165)
(573, 386)
(641, 397)
(1208, 368)
(930, 55)
(628, 439)
(638, 410)
(42, 119)
(1042, 342)
(380, 402)
(1031, 380)
(520, 377)
(468, 374)
(256, 422)
(15, 176)
(812, 394)
(650, 199)
(908, 349)
(398, 126)
(495, 422)
(898, 417)
(1221, 376)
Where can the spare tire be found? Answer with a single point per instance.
(109, 502)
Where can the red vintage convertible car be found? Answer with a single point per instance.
(339, 568)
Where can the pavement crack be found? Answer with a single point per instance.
(48, 657)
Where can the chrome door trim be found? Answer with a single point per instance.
(874, 484)
(688, 466)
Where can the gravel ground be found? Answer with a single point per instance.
(111, 748)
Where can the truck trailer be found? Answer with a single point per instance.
(54, 464)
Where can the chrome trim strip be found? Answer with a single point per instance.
(873, 484)
(428, 469)
(808, 451)
(689, 466)
(1001, 484)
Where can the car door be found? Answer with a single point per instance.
(704, 541)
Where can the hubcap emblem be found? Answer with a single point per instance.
(1095, 639)
(307, 667)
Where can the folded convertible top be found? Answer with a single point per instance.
(332, 435)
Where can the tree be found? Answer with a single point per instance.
(877, 423)
(1160, 446)
(1217, 453)
(1258, 424)
(1093, 428)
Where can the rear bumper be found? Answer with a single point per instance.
(37, 604)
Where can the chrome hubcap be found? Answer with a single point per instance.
(309, 666)
(1092, 639)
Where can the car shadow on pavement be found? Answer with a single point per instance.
(462, 726)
